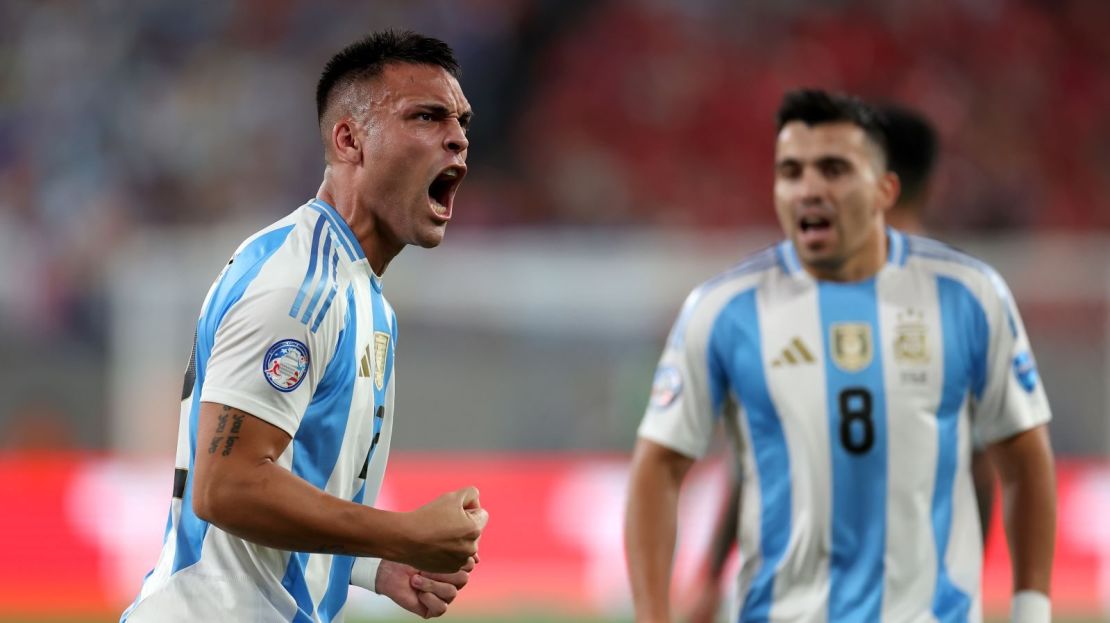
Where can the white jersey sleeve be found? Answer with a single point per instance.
(1012, 398)
(688, 393)
(266, 361)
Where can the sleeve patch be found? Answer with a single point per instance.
(666, 386)
(1025, 369)
(286, 364)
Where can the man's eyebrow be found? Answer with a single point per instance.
(440, 110)
(833, 159)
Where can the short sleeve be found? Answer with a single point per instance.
(1013, 399)
(682, 411)
(267, 362)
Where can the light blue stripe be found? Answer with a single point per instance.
(331, 295)
(950, 604)
(932, 249)
(244, 268)
(293, 311)
(736, 352)
(759, 261)
(346, 236)
(294, 582)
(339, 581)
(318, 441)
(321, 283)
(320, 434)
(789, 257)
(897, 251)
(859, 480)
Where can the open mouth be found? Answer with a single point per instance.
(814, 223)
(441, 191)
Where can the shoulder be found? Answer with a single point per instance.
(968, 272)
(946, 260)
(293, 264)
(706, 301)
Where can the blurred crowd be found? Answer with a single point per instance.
(661, 113)
(116, 116)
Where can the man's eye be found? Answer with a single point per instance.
(425, 116)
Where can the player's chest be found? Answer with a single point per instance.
(369, 357)
(849, 349)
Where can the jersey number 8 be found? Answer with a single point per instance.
(857, 429)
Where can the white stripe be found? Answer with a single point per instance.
(913, 392)
(801, 585)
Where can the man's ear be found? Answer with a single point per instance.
(345, 142)
(889, 189)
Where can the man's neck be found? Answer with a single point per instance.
(378, 253)
(864, 263)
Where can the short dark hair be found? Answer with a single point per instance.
(815, 107)
(367, 57)
(911, 148)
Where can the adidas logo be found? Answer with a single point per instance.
(364, 366)
(794, 354)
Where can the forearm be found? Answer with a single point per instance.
(269, 505)
(650, 524)
(1025, 468)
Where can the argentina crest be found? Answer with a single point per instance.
(381, 352)
(852, 348)
(911, 338)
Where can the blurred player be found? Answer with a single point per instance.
(287, 407)
(859, 363)
(912, 150)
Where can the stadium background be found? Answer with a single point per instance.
(620, 154)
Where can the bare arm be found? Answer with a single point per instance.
(1025, 468)
(238, 487)
(650, 523)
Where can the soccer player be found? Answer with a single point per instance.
(911, 143)
(860, 364)
(287, 406)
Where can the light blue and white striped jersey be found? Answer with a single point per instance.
(859, 405)
(294, 331)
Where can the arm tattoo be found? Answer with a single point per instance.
(236, 424)
(221, 425)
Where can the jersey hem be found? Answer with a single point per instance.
(663, 440)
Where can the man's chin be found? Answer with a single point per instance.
(431, 239)
(822, 257)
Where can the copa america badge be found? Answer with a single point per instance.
(286, 364)
(666, 386)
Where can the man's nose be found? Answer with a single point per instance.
(456, 140)
(812, 184)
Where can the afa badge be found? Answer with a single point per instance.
(851, 345)
(381, 353)
(911, 338)
(285, 365)
(1025, 369)
(666, 386)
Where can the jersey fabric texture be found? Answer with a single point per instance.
(858, 405)
(294, 331)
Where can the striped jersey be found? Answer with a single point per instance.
(294, 331)
(858, 405)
